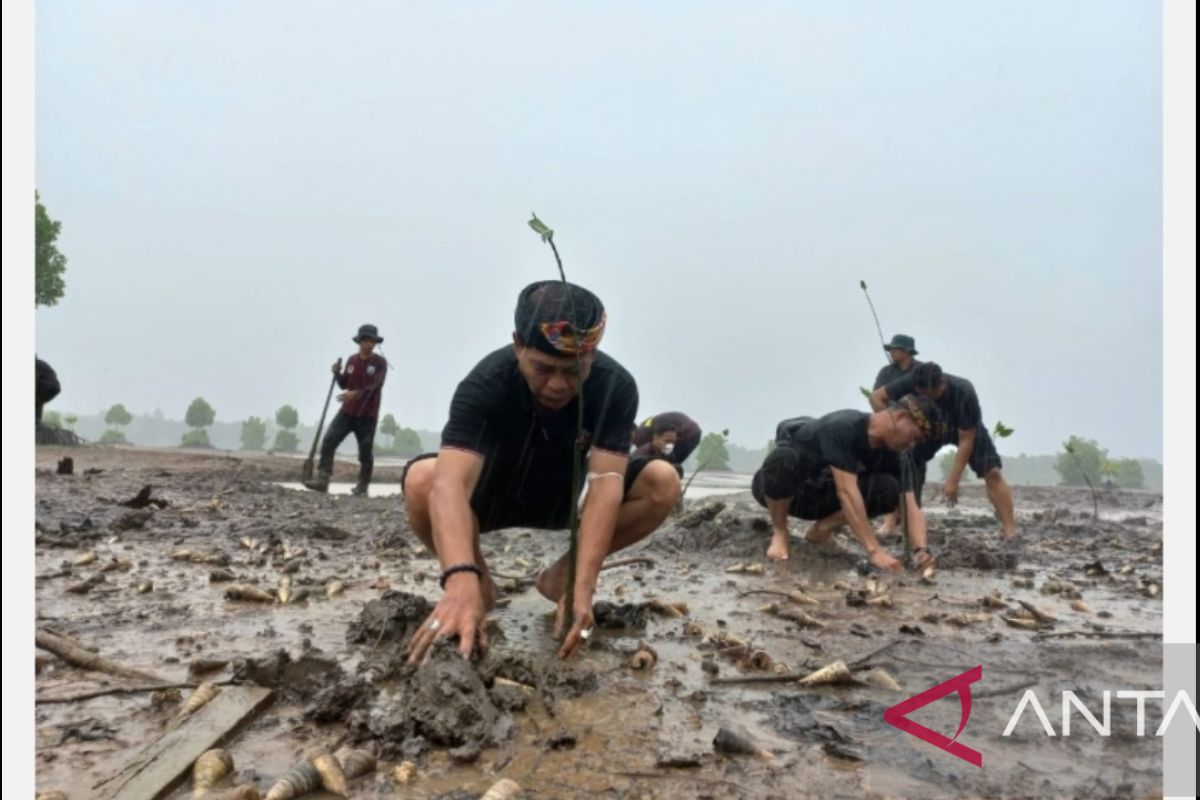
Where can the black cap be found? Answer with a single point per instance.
(368, 332)
(902, 341)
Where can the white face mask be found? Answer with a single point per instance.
(668, 448)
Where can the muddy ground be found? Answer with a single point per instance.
(594, 728)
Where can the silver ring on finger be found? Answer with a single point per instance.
(586, 633)
(434, 624)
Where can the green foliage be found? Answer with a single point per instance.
(1127, 473)
(1082, 461)
(118, 415)
(407, 442)
(51, 419)
(197, 437)
(1001, 431)
(200, 415)
(286, 441)
(540, 228)
(865, 392)
(254, 434)
(113, 436)
(713, 452)
(70, 420)
(388, 426)
(49, 264)
(287, 417)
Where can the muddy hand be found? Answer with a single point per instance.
(582, 629)
(922, 558)
(950, 492)
(459, 613)
(884, 560)
(337, 367)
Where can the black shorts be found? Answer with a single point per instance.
(984, 457)
(541, 504)
(638, 462)
(817, 498)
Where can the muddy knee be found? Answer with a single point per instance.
(659, 483)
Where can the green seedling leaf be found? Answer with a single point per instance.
(541, 229)
(1001, 431)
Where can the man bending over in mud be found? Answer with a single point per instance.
(962, 426)
(671, 436)
(843, 469)
(506, 461)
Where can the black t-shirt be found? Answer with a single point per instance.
(959, 406)
(892, 372)
(838, 439)
(493, 414)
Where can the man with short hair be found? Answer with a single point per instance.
(843, 469)
(46, 385)
(963, 426)
(671, 436)
(506, 460)
(363, 380)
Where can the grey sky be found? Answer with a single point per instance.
(242, 184)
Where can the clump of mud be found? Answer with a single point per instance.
(444, 702)
(552, 678)
(623, 616)
(298, 679)
(392, 618)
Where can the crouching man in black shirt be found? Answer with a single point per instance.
(506, 460)
(844, 469)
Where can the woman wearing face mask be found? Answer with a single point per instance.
(671, 436)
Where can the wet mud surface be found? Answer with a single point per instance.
(1074, 604)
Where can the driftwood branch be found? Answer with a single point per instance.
(76, 656)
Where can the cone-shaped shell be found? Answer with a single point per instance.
(333, 777)
(251, 593)
(503, 789)
(833, 674)
(284, 593)
(335, 588)
(210, 768)
(203, 694)
(356, 763)
(296, 782)
(880, 677)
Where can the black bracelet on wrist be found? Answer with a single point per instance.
(446, 573)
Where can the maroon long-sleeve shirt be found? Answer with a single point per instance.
(364, 376)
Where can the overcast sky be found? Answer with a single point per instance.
(242, 184)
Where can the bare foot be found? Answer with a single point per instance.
(819, 535)
(552, 581)
(780, 548)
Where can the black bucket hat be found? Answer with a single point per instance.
(902, 342)
(368, 332)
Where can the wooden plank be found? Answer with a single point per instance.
(167, 761)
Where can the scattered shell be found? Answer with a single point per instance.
(383, 583)
(667, 609)
(1023, 623)
(249, 593)
(736, 569)
(210, 768)
(296, 782)
(334, 588)
(356, 763)
(964, 619)
(1037, 613)
(803, 599)
(871, 585)
(728, 740)
(249, 542)
(420, 551)
(882, 601)
(145, 587)
(1151, 589)
(1081, 607)
(333, 777)
(53, 794)
(503, 789)
(203, 694)
(993, 600)
(780, 668)
(405, 772)
(85, 559)
(186, 555)
(284, 593)
(754, 569)
(761, 659)
(801, 618)
(692, 630)
(835, 674)
(880, 677)
(644, 658)
(927, 574)
(842, 586)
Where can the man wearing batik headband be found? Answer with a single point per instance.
(843, 469)
(506, 461)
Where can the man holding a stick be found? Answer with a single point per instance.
(362, 379)
(843, 469)
(506, 461)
